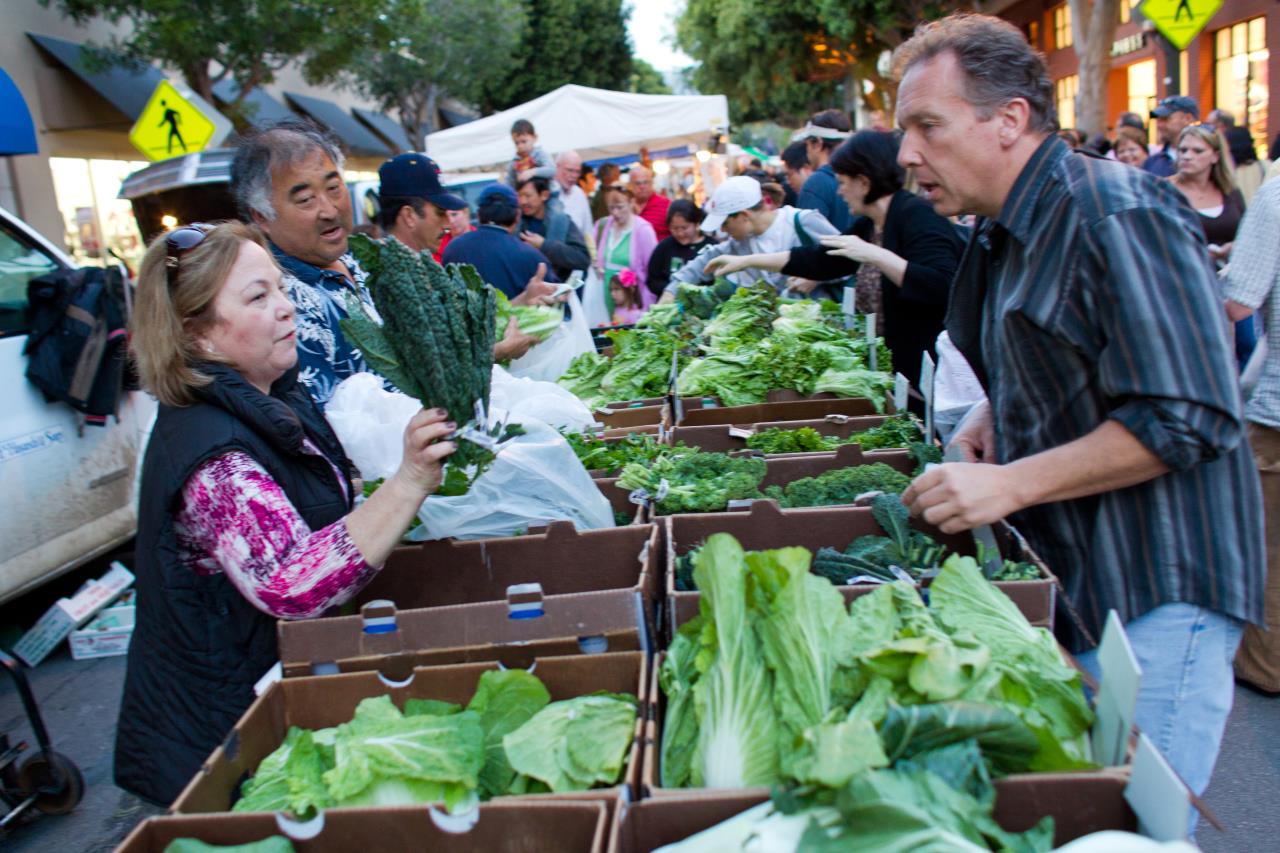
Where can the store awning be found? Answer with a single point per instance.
(262, 109)
(127, 88)
(387, 128)
(17, 132)
(356, 137)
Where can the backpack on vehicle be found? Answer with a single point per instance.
(77, 348)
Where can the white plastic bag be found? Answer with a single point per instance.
(535, 479)
(370, 422)
(593, 302)
(543, 401)
(550, 359)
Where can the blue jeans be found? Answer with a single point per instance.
(1186, 655)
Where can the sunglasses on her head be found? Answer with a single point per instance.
(178, 242)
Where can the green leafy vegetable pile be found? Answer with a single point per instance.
(695, 481)
(839, 486)
(640, 368)
(537, 320)
(510, 739)
(898, 431)
(610, 455)
(775, 683)
(435, 342)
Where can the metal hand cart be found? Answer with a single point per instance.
(46, 779)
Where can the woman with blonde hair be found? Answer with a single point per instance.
(246, 503)
(1204, 177)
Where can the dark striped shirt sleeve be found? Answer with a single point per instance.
(1164, 362)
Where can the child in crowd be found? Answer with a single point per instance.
(624, 290)
(530, 160)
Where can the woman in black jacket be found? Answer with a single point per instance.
(917, 258)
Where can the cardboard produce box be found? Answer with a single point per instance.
(316, 703)
(764, 526)
(631, 416)
(726, 438)
(107, 634)
(784, 406)
(1080, 804)
(510, 599)
(68, 614)
(501, 827)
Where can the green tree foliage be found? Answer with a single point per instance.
(566, 41)
(246, 41)
(785, 58)
(418, 51)
(646, 80)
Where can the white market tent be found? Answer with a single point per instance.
(597, 123)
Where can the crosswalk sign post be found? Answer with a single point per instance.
(1180, 21)
(177, 122)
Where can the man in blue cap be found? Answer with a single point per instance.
(502, 259)
(413, 206)
(1173, 115)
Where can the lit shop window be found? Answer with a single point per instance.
(1062, 27)
(1142, 92)
(1240, 75)
(1065, 95)
(95, 220)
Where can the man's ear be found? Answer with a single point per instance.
(1014, 118)
(259, 220)
(406, 217)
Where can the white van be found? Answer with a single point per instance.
(66, 492)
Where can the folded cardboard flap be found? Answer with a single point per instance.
(796, 409)
(717, 438)
(788, 469)
(501, 827)
(630, 417)
(764, 526)
(599, 591)
(620, 500)
(449, 571)
(1081, 802)
(321, 702)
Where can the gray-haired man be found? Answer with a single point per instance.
(287, 180)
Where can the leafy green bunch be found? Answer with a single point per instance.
(435, 341)
(743, 320)
(537, 320)
(897, 431)
(698, 301)
(510, 739)
(775, 682)
(839, 486)
(695, 481)
(599, 454)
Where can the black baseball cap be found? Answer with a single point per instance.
(1176, 104)
(416, 175)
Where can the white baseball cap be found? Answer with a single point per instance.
(733, 196)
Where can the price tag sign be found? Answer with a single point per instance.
(847, 306)
(739, 432)
(926, 390)
(673, 397)
(901, 392)
(1157, 796)
(873, 351)
(1118, 695)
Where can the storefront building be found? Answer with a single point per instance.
(68, 189)
(1228, 66)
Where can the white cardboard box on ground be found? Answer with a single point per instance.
(70, 613)
(107, 634)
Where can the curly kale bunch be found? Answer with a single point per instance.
(600, 454)
(840, 486)
(696, 482)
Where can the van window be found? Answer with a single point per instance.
(20, 261)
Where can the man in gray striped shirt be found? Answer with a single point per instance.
(1087, 306)
(1253, 284)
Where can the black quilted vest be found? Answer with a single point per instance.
(198, 645)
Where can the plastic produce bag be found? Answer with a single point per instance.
(595, 309)
(535, 479)
(370, 422)
(543, 401)
(550, 359)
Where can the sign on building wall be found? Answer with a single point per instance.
(1180, 21)
(175, 123)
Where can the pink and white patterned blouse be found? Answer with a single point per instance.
(237, 520)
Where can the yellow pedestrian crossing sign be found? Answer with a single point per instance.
(174, 123)
(1180, 21)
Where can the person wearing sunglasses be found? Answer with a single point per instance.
(246, 506)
